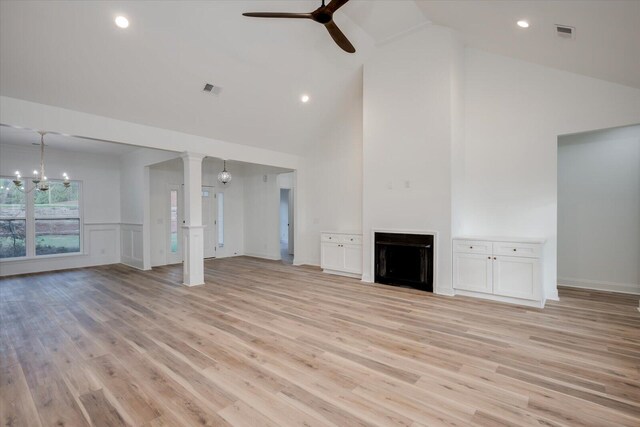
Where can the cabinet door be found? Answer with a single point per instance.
(472, 272)
(332, 256)
(352, 258)
(517, 277)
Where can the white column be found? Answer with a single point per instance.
(192, 230)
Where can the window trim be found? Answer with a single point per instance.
(30, 231)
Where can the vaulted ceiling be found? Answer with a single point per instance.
(70, 54)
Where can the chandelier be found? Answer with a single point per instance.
(224, 176)
(39, 180)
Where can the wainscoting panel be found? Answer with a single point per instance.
(131, 245)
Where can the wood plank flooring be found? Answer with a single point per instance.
(264, 343)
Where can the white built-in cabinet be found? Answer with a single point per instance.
(508, 270)
(341, 253)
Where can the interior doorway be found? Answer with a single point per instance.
(599, 210)
(286, 225)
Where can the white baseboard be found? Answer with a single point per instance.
(132, 262)
(264, 256)
(297, 261)
(444, 291)
(553, 295)
(342, 273)
(499, 298)
(596, 285)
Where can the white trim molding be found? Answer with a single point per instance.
(600, 285)
(131, 245)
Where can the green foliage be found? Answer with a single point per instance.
(57, 194)
(47, 245)
(9, 194)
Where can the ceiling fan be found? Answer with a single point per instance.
(322, 15)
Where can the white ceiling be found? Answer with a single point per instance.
(70, 54)
(606, 46)
(30, 138)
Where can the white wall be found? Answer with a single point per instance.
(514, 113)
(599, 210)
(261, 212)
(329, 182)
(100, 204)
(135, 212)
(410, 108)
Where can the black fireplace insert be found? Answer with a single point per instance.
(404, 260)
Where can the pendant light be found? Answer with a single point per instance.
(224, 176)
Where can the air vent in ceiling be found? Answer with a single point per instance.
(565, 31)
(208, 87)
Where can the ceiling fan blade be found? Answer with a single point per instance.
(335, 5)
(278, 15)
(339, 37)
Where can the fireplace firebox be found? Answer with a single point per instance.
(404, 260)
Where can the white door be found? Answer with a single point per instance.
(209, 221)
(516, 277)
(473, 272)
(174, 232)
(352, 258)
(332, 256)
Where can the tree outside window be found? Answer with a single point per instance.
(52, 216)
(13, 220)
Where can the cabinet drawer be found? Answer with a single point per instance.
(329, 237)
(517, 249)
(351, 239)
(472, 247)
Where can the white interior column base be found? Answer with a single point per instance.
(193, 272)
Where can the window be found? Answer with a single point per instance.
(39, 222)
(13, 220)
(173, 219)
(57, 219)
(220, 198)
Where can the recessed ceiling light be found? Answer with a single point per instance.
(122, 22)
(523, 24)
(305, 98)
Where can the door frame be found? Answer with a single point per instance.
(213, 196)
(174, 257)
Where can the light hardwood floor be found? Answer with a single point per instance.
(263, 343)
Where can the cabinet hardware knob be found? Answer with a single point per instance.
(470, 247)
(495, 258)
(488, 257)
(514, 249)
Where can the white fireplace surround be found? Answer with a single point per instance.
(369, 276)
